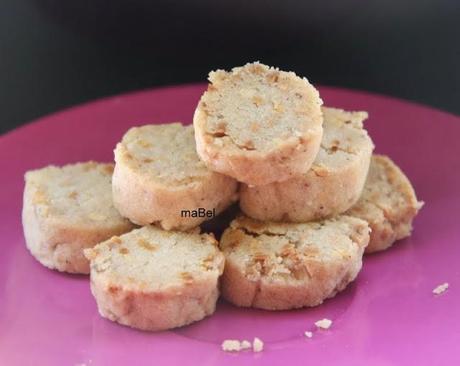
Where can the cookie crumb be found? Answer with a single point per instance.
(231, 345)
(257, 345)
(324, 323)
(308, 334)
(234, 345)
(441, 288)
(245, 344)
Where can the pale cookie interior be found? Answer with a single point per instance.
(388, 203)
(165, 153)
(153, 259)
(386, 185)
(78, 193)
(267, 106)
(343, 139)
(284, 252)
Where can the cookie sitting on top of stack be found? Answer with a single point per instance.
(258, 124)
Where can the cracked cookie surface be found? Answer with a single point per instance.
(332, 185)
(388, 204)
(278, 266)
(153, 279)
(258, 124)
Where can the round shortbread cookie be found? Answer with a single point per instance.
(332, 185)
(258, 124)
(284, 266)
(388, 204)
(153, 279)
(159, 179)
(67, 209)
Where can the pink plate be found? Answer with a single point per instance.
(389, 316)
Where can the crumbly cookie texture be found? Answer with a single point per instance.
(67, 209)
(332, 185)
(278, 266)
(158, 176)
(153, 279)
(388, 203)
(258, 124)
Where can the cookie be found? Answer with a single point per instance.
(332, 185)
(153, 279)
(286, 265)
(67, 209)
(388, 204)
(258, 124)
(159, 179)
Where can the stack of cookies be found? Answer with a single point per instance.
(313, 200)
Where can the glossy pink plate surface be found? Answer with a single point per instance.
(389, 316)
